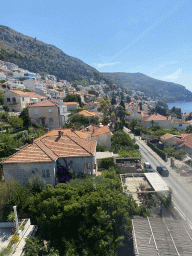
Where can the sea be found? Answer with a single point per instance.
(185, 106)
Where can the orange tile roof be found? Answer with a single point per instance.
(80, 134)
(43, 103)
(88, 113)
(102, 130)
(155, 117)
(186, 140)
(167, 136)
(48, 148)
(71, 103)
(29, 94)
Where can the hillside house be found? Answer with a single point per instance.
(17, 100)
(156, 119)
(169, 140)
(49, 113)
(101, 134)
(136, 114)
(49, 155)
(72, 105)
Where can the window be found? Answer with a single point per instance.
(50, 120)
(180, 124)
(36, 111)
(13, 99)
(8, 99)
(46, 174)
(50, 110)
(23, 98)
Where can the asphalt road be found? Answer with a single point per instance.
(182, 200)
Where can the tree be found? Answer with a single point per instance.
(1, 97)
(97, 209)
(189, 129)
(152, 122)
(12, 193)
(16, 122)
(113, 101)
(25, 116)
(128, 99)
(6, 108)
(140, 105)
(36, 183)
(73, 98)
(106, 109)
(92, 91)
(122, 104)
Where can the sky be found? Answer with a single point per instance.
(146, 36)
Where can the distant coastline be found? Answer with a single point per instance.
(185, 106)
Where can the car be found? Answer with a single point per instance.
(154, 140)
(186, 172)
(147, 165)
(151, 170)
(162, 170)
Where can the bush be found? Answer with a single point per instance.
(160, 152)
(16, 122)
(107, 162)
(6, 251)
(36, 183)
(14, 239)
(101, 148)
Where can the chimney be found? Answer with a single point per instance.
(46, 130)
(31, 140)
(60, 133)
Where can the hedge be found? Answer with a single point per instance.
(160, 152)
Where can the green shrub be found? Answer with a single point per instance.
(101, 148)
(107, 162)
(160, 152)
(14, 239)
(6, 251)
(36, 183)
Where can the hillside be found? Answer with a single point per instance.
(166, 91)
(36, 56)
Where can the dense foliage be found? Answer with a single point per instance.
(89, 217)
(123, 145)
(12, 193)
(160, 152)
(79, 120)
(73, 98)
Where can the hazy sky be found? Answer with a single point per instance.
(147, 36)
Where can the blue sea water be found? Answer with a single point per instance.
(185, 106)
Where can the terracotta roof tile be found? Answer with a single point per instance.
(70, 103)
(48, 148)
(101, 130)
(27, 94)
(167, 136)
(88, 113)
(43, 103)
(155, 117)
(80, 134)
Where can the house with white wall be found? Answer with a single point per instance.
(49, 155)
(17, 100)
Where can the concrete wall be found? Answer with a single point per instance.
(47, 112)
(78, 163)
(23, 171)
(165, 123)
(103, 139)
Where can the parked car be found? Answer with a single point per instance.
(154, 140)
(151, 170)
(147, 165)
(186, 172)
(162, 170)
